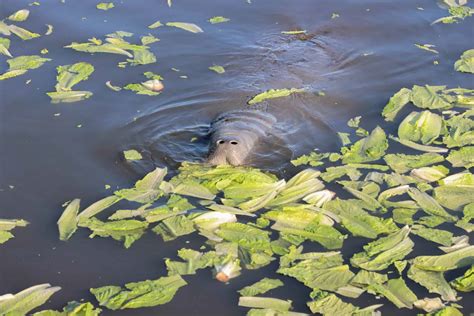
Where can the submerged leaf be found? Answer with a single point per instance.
(466, 62)
(273, 93)
(139, 294)
(190, 27)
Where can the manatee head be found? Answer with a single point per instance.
(230, 150)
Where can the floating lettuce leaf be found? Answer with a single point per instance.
(358, 221)
(430, 174)
(364, 278)
(430, 97)
(20, 65)
(127, 231)
(265, 302)
(450, 261)
(68, 96)
(98, 48)
(273, 93)
(6, 225)
(429, 205)
(260, 287)
(403, 216)
(370, 148)
(97, 207)
(67, 223)
(149, 39)
(319, 198)
(194, 260)
(460, 132)
(139, 294)
(132, 154)
(429, 304)
(299, 186)
(463, 157)
(333, 173)
(195, 190)
(402, 163)
(396, 103)
(73, 309)
(454, 197)
(396, 291)
(309, 273)
(218, 19)
(105, 6)
(190, 27)
(155, 25)
(217, 69)
(313, 159)
(327, 236)
(465, 283)
(208, 222)
(174, 227)
(22, 33)
(246, 236)
(447, 311)
(70, 75)
(466, 62)
(19, 16)
(4, 46)
(433, 281)
(439, 236)
(142, 57)
(138, 88)
(422, 127)
(427, 47)
(380, 254)
(23, 302)
(330, 304)
(425, 148)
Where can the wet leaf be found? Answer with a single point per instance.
(139, 294)
(433, 281)
(370, 148)
(132, 154)
(424, 127)
(190, 27)
(261, 287)
(218, 19)
(105, 6)
(273, 93)
(396, 103)
(265, 302)
(217, 69)
(67, 223)
(19, 16)
(23, 302)
(396, 291)
(466, 62)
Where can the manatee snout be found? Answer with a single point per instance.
(235, 135)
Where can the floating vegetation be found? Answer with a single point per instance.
(218, 19)
(466, 62)
(69, 76)
(132, 154)
(190, 27)
(252, 219)
(7, 225)
(427, 47)
(20, 65)
(115, 43)
(217, 69)
(105, 6)
(273, 93)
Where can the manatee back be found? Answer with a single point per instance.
(252, 121)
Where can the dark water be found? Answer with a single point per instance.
(358, 59)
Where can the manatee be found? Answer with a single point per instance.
(234, 136)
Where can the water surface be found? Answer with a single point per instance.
(358, 59)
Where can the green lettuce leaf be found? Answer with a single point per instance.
(273, 93)
(424, 127)
(433, 281)
(450, 261)
(370, 148)
(260, 287)
(396, 291)
(466, 62)
(139, 294)
(23, 302)
(465, 283)
(396, 103)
